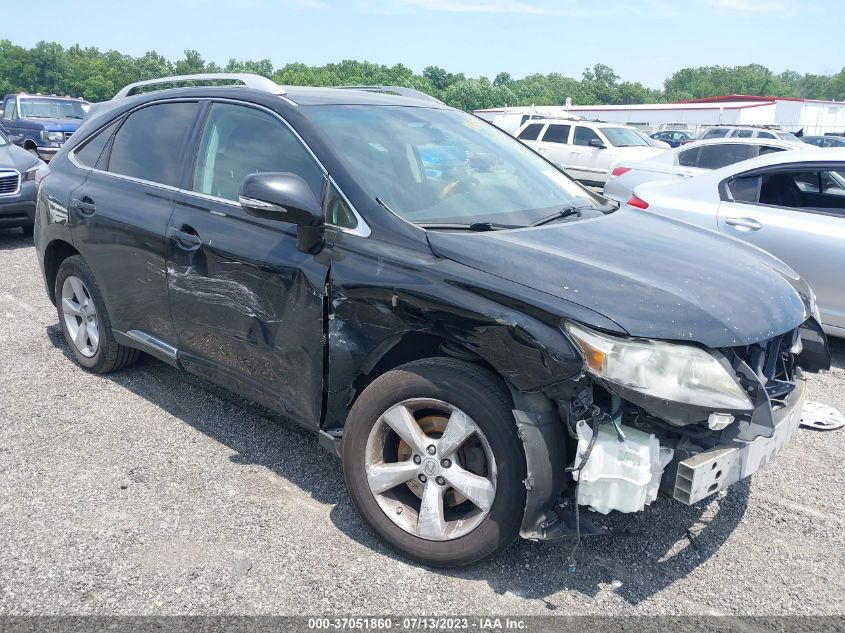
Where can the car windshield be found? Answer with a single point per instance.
(623, 137)
(52, 109)
(3, 140)
(436, 166)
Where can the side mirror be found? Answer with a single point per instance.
(287, 198)
(597, 143)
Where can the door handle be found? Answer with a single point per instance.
(744, 224)
(85, 206)
(185, 238)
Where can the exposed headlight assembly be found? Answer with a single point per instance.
(49, 136)
(36, 172)
(669, 371)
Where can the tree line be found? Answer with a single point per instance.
(96, 75)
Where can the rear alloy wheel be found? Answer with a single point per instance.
(80, 316)
(433, 463)
(85, 321)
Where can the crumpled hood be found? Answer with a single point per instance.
(655, 277)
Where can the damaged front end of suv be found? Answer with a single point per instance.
(649, 416)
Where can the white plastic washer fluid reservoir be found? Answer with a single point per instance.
(623, 476)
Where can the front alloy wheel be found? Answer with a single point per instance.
(435, 452)
(433, 463)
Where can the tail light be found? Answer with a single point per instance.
(618, 171)
(639, 203)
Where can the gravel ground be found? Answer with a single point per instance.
(152, 492)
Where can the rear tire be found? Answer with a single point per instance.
(476, 488)
(85, 321)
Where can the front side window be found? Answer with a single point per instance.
(765, 135)
(238, 141)
(557, 134)
(623, 137)
(531, 132)
(149, 144)
(742, 134)
(52, 109)
(716, 132)
(435, 166)
(788, 136)
(583, 136)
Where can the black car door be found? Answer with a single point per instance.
(119, 217)
(247, 305)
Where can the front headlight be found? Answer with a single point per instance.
(48, 136)
(669, 371)
(36, 172)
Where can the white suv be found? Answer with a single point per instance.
(750, 131)
(586, 150)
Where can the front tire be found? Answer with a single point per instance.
(433, 463)
(85, 321)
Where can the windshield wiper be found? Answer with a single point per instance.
(560, 215)
(474, 226)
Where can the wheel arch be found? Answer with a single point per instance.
(55, 253)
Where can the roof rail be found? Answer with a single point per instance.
(250, 80)
(396, 90)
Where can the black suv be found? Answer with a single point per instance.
(471, 331)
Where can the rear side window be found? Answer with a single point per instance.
(149, 145)
(531, 132)
(689, 158)
(765, 135)
(557, 134)
(745, 189)
(239, 140)
(716, 133)
(583, 136)
(9, 109)
(716, 156)
(89, 154)
(743, 134)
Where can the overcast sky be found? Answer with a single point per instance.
(643, 40)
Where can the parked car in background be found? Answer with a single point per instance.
(825, 141)
(20, 173)
(673, 137)
(42, 123)
(653, 141)
(791, 204)
(749, 131)
(689, 160)
(443, 307)
(586, 150)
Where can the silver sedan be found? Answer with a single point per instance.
(689, 160)
(791, 204)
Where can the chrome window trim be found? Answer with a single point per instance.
(362, 229)
(10, 171)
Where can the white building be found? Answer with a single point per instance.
(813, 116)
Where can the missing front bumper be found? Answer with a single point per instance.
(705, 473)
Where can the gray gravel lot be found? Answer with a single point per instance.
(152, 492)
